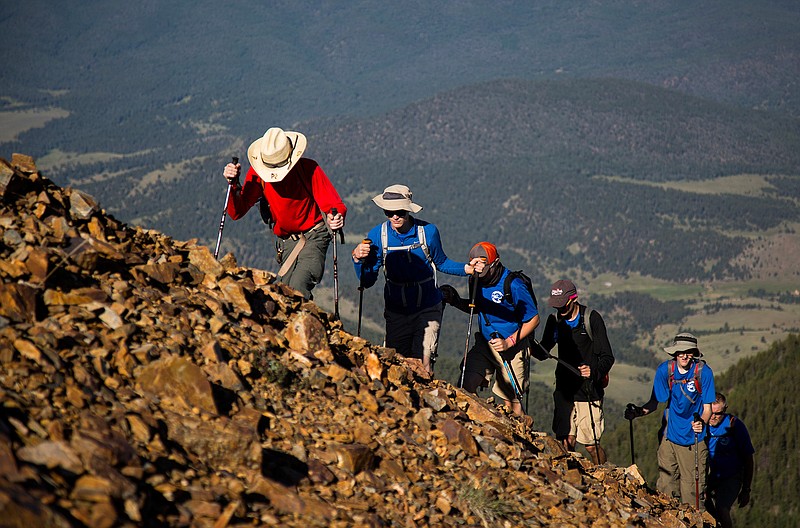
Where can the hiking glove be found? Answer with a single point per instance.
(633, 411)
(539, 352)
(449, 294)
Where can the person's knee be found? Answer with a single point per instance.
(472, 380)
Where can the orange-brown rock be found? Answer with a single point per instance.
(144, 383)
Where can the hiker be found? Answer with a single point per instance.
(506, 320)
(410, 252)
(583, 343)
(686, 384)
(730, 462)
(299, 198)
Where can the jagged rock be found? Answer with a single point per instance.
(18, 302)
(52, 455)
(81, 205)
(143, 382)
(21, 509)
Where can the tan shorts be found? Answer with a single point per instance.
(581, 422)
(484, 361)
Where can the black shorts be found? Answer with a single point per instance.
(562, 412)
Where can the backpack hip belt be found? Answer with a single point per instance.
(296, 236)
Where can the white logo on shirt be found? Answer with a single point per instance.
(497, 297)
(690, 386)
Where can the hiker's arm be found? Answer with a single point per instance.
(634, 411)
(605, 356)
(439, 258)
(451, 297)
(706, 416)
(367, 261)
(549, 336)
(243, 197)
(747, 481)
(525, 330)
(324, 193)
(651, 404)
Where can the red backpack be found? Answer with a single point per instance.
(698, 369)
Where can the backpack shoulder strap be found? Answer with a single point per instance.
(587, 322)
(384, 239)
(507, 286)
(671, 369)
(423, 243)
(698, 369)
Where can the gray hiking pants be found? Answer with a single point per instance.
(307, 270)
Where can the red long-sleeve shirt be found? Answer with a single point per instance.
(295, 201)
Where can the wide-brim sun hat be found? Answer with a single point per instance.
(274, 154)
(684, 342)
(396, 198)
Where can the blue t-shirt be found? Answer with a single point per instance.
(684, 399)
(498, 314)
(728, 446)
(410, 285)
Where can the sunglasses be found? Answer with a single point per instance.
(567, 306)
(398, 214)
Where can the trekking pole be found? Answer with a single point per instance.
(361, 291)
(469, 327)
(633, 457)
(509, 372)
(696, 468)
(586, 387)
(560, 361)
(528, 378)
(334, 212)
(224, 213)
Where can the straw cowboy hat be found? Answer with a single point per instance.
(275, 154)
(396, 198)
(684, 342)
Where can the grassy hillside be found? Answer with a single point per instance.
(759, 391)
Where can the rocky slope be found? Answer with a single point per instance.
(143, 383)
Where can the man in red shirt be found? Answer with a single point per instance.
(301, 201)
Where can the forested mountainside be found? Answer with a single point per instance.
(287, 61)
(506, 160)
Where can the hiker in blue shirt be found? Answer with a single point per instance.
(410, 252)
(686, 384)
(506, 321)
(730, 462)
